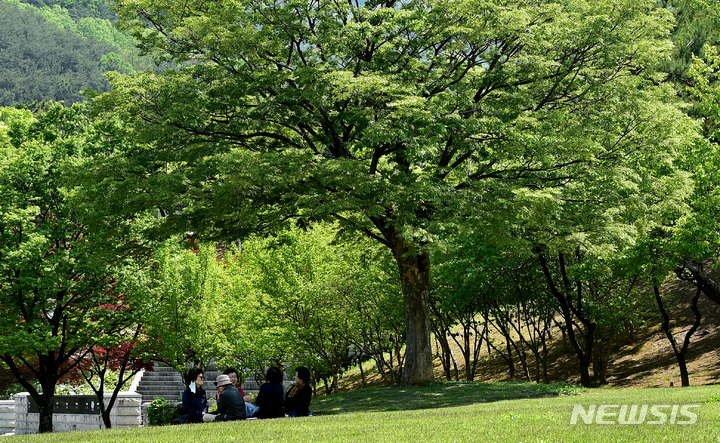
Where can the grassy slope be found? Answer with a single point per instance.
(503, 412)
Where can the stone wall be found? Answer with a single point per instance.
(126, 413)
(7, 417)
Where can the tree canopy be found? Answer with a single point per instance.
(400, 120)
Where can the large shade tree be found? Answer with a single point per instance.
(396, 118)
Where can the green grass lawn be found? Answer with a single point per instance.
(448, 412)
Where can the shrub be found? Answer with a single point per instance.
(8, 393)
(161, 412)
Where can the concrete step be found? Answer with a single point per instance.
(144, 382)
(162, 370)
(150, 383)
(166, 382)
(161, 388)
(168, 377)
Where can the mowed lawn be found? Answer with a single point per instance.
(448, 412)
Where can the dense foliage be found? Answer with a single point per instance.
(299, 166)
(53, 53)
(402, 121)
(58, 296)
(79, 8)
(161, 412)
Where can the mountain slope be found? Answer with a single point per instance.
(49, 52)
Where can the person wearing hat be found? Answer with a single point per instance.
(231, 405)
(235, 380)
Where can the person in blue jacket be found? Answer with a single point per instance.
(194, 400)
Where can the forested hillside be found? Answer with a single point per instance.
(55, 49)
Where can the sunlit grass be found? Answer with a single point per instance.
(503, 412)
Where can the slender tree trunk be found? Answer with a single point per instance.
(695, 275)
(335, 383)
(467, 353)
(681, 353)
(568, 311)
(440, 332)
(546, 378)
(444, 347)
(362, 373)
(105, 414)
(455, 368)
(504, 330)
(523, 360)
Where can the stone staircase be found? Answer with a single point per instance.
(166, 382)
(162, 381)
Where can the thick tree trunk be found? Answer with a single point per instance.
(44, 399)
(414, 267)
(415, 279)
(46, 418)
(45, 402)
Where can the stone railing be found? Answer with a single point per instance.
(75, 413)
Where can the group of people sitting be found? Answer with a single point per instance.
(233, 404)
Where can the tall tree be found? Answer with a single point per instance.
(319, 294)
(398, 119)
(190, 299)
(57, 297)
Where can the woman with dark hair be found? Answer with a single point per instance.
(194, 400)
(271, 398)
(297, 400)
(235, 381)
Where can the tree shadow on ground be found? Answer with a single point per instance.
(431, 396)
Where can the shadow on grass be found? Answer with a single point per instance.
(435, 395)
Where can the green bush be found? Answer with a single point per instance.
(161, 412)
(9, 392)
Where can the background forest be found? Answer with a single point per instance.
(54, 50)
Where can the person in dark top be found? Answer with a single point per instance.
(271, 398)
(194, 400)
(297, 399)
(231, 405)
